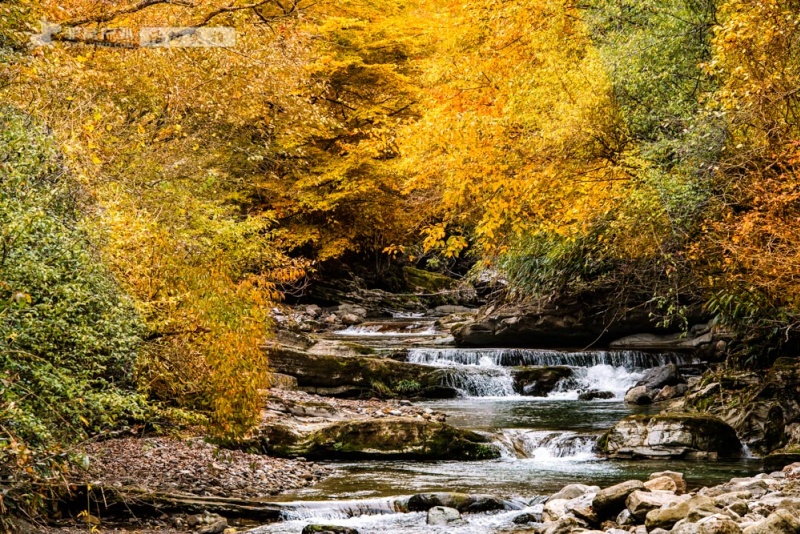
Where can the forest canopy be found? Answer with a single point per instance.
(645, 150)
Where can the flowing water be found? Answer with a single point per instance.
(546, 442)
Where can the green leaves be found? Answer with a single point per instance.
(68, 336)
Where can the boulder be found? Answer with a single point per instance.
(462, 502)
(666, 393)
(718, 524)
(666, 518)
(539, 381)
(581, 507)
(671, 435)
(662, 484)
(610, 501)
(524, 519)
(554, 509)
(658, 377)
(593, 394)
(572, 491)
(640, 395)
(676, 477)
(385, 438)
(442, 515)
(566, 525)
(778, 522)
(640, 502)
(351, 376)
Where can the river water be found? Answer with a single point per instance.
(546, 442)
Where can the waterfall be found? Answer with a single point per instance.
(629, 359)
(479, 382)
(389, 330)
(616, 380)
(343, 509)
(546, 445)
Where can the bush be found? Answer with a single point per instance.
(68, 336)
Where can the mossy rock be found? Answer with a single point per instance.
(427, 281)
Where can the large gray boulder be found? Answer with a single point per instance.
(671, 435)
(658, 377)
(462, 502)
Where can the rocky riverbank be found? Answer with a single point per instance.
(764, 504)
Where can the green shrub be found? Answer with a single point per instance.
(68, 336)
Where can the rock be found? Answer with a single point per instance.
(524, 519)
(555, 324)
(328, 529)
(667, 517)
(658, 377)
(738, 507)
(280, 381)
(679, 341)
(581, 507)
(442, 515)
(671, 435)
(355, 310)
(778, 522)
(217, 526)
(539, 381)
(666, 393)
(640, 502)
(313, 311)
(572, 491)
(610, 501)
(624, 518)
(676, 477)
(566, 525)
(717, 524)
(593, 394)
(554, 509)
(387, 438)
(349, 319)
(463, 502)
(661, 484)
(350, 375)
(639, 395)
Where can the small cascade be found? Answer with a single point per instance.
(343, 509)
(616, 380)
(390, 330)
(629, 359)
(480, 381)
(547, 445)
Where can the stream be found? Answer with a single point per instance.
(546, 442)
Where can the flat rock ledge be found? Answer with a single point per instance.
(386, 438)
(672, 435)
